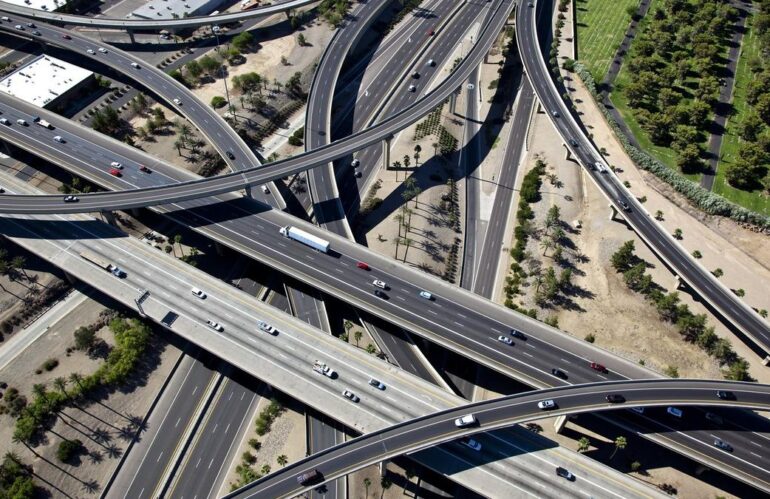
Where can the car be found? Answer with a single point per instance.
(615, 398)
(723, 445)
(355, 163)
(102, 50)
(118, 272)
(600, 167)
(721, 394)
(363, 266)
(565, 473)
(321, 368)
(597, 367)
(415, 74)
(22, 122)
(471, 86)
(215, 326)
(558, 373)
(37, 33)
(431, 62)
(90, 51)
(5, 18)
(19, 27)
(135, 65)
(380, 294)
(715, 418)
(178, 102)
(5, 122)
(59, 139)
(358, 174)
(117, 165)
(466, 421)
(431, 32)
(412, 88)
(144, 169)
(555, 114)
(473, 444)
(573, 142)
(115, 172)
(380, 284)
(2, 190)
(71, 199)
(216, 28)
(350, 395)
(309, 477)
(199, 293)
(518, 334)
(66, 37)
(264, 326)
(229, 153)
(31, 25)
(623, 204)
(546, 405)
(426, 295)
(530, 5)
(505, 339)
(377, 384)
(265, 189)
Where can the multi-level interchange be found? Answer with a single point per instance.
(349, 248)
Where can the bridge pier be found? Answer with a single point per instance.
(70, 278)
(247, 192)
(613, 212)
(386, 151)
(131, 35)
(219, 249)
(453, 102)
(109, 217)
(567, 153)
(560, 423)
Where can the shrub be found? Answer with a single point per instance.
(50, 364)
(84, 338)
(68, 449)
(218, 101)
(590, 338)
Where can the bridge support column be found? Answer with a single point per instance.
(131, 35)
(678, 283)
(560, 423)
(567, 154)
(70, 278)
(218, 247)
(613, 212)
(453, 102)
(248, 192)
(110, 218)
(539, 107)
(386, 151)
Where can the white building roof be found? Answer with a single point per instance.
(43, 80)
(49, 5)
(165, 9)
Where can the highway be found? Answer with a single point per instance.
(456, 319)
(284, 360)
(430, 430)
(665, 246)
(152, 24)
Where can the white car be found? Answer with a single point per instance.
(431, 62)
(355, 163)
(473, 444)
(546, 404)
(322, 368)
(264, 326)
(102, 50)
(467, 420)
(412, 88)
(117, 165)
(199, 293)
(265, 189)
(380, 284)
(426, 295)
(505, 339)
(90, 51)
(177, 102)
(59, 139)
(350, 395)
(215, 326)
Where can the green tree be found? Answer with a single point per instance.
(671, 371)
(634, 276)
(357, 336)
(301, 41)
(678, 234)
(371, 349)
(367, 484)
(668, 306)
(282, 460)
(583, 444)
(243, 41)
(61, 384)
(265, 469)
(194, 69)
(84, 338)
(620, 443)
(385, 483)
(624, 257)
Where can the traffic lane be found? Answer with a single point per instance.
(208, 458)
(496, 413)
(324, 435)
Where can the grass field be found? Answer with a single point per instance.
(753, 200)
(601, 25)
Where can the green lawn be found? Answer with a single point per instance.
(752, 200)
(601, 25)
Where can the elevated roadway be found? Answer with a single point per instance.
(284, 360)
(583, 149)
(137, 24)
(411, 436)
(456, 319)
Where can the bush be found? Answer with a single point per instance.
(68, 449)
(84, 338)
(50, 364)
(590, 338)
(218, 101)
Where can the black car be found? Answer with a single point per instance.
(725, 395)
(565, 473)
(380, 294)
(623, 204)
(573, 142)
(230, 155)
(615, 398)
(559, 373)
(518, 334)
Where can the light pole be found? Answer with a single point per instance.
(224, 77)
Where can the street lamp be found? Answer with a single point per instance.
(224, 77)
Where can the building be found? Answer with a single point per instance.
(171, 9)
(46, 82)
(49, 5)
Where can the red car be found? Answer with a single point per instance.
(598, 367)
(144, 169)
(115, 172)
(431, 32)
(362, 265)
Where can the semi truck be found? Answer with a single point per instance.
(300, 235)
(99, 262)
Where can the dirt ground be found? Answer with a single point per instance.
(104, 422)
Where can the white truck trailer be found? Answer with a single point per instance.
(300, 235)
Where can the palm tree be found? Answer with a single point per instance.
(178, 241)
(77, 379)
(583, 444)
(400, 219)
(18, 263)
(385, 483)
(367, 484)
(620, 443)
(282, 460)
(546, 244)
(435, 148)
(407, 242)
(409, 476)
(357, 336)
(61, 385)
(265, 469)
